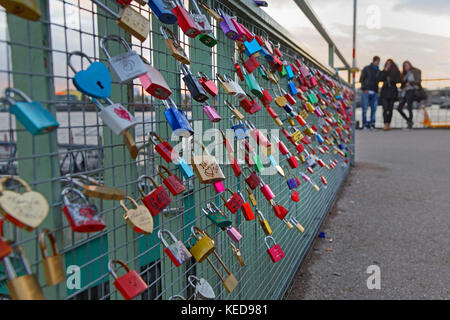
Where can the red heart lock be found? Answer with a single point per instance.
(295, 196)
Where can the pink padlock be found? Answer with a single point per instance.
(219, 187)
(212, 113)
(234, 234)
(266, 191)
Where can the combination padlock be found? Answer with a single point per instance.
(126, 66)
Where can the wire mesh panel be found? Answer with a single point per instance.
(35, 61)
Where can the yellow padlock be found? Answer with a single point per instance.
(204, 245)
(27, 9)
(54, 269)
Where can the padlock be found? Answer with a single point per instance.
(258, 163)
(27, 9)
(239, 93)
(288, 223)
(211, 113)
(201, 20)
(130, 143)
(177, 119)
(115, 116)
(139, 219)
(290, 99)
(32, 115)
(5, 249)
(27, 210)
(130, 20)
(280, 211)
(54, 267)
(207, 84)
(202, 288)
(193, 84)
(260, 139)
(250, 105)
(204, 245)
(251, 64)
(252, 197)
(274, 164)
(289, 73)
(126, 66)
(176, 251)
(252, 47)
(227, 26)
(164, 149)
(93, 188)
(292, 161)
(217, 216)
(171, 181)
(206, 167)
(228, 87)
(25, 287)
(253, 180)
(174, 46)
(218, 187)
(163, 11)
(235, 202)
(297, 225)
(264, 223)
(229, 282)
(237, 253)
(247, 211)
(131, 284)
(82, 217)
(280, 100)
(238, 69)
(185, 20)
(240, 130)
(253, 85)
(295, 196)
(291, 182)
(95, 81)
(275, 252)
(243, 36)
(266, 191)
(235, 111)
(156, 200)
(292, 88)
(230, 154)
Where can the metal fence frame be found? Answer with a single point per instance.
(35, 63)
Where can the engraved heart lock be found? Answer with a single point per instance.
(138, 218)
(26, 210)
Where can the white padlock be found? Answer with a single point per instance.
(126, 66)
(240, 93)
(115, 116)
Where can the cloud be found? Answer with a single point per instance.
(432, 7)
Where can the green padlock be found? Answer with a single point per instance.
(252, 84)
(283, 72)
(258, 164)
(208, 39)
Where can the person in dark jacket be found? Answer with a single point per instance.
(411, 85)
(390, 76)
(369, 95)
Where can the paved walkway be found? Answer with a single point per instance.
(394, 212)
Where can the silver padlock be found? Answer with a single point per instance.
(126, 66)
(202, 288)
(240, 93)
(201, 20)
(115, 116)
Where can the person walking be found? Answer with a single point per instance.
(369, 95)
(411, 90)
(390, 76)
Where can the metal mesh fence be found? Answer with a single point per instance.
(34, 60)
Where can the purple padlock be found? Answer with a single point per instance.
(228, 27)
(211, 113)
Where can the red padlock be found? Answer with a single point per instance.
(251, 64)
(300, 147)
(292, 160)
(157, 200)
(280, 211)
(5, 249)
(130, 284)
(164, 149)
(266, 98)
(235, 202)
(260, 41)
(208, 84)
(272, 112)
(235, 166)
(266, 191)
(282, 147)
(172, 182)
(275, 252)
(253, 180)
(246, 104)
(254, 106)
(185, 21)
(124, 2)
(247, 211)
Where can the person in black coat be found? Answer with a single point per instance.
(369, 94)
(390, 76)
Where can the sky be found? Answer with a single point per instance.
(414, 30)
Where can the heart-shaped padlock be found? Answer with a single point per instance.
(138, 218)
(295, 196)
(26, 210)
(95, 81)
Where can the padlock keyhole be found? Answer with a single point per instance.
(100, 85)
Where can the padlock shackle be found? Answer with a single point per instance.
(201, 74)
(112, 37)
(141, 190)
(111, 268)
(122, 203)
(45, 233)
(161, 233)
(10, 100)
(177, 297)
(18, 250)
(76, 53)
(185, 70)
(196, 7)
(168, 34)
(106, 8)
(162, 167)
(269, 238)
(191, 279)
(22, 182)
(151, 135)
(220, 78)
(65, 191)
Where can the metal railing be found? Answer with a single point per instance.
(35, 62)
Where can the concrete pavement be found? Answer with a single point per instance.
(394, 212)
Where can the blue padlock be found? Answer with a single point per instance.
(95, 81)
(240, 130)
(292, 88)
(288, 108)
(292, 184)
(32, 115)
(185, 168)
(252, 47)
(177, 119)
(265, 53)
(163, 11)
(289, 73)
(319, 138)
